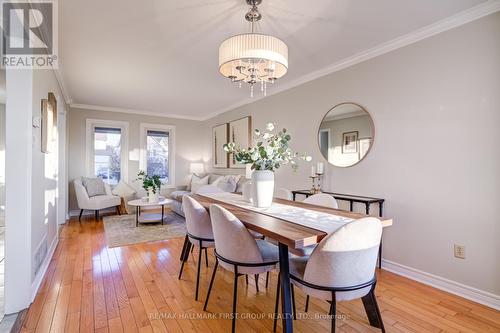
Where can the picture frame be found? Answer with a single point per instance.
(49, 123)
(220, 136)
(350, 142)
(240, 132)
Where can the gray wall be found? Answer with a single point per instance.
(436, 108)
(189, 147)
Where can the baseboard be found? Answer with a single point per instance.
(468, 292)
(43, 269)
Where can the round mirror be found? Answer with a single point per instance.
(346, 134)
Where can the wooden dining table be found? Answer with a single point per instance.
(291, 237)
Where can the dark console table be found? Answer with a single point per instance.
(367, 201)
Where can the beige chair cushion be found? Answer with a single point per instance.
(94, 186)
(322, 199)
(234, 242)
(198, 221)
(345, 258)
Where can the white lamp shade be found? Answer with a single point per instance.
(196, 168)
(268, 55)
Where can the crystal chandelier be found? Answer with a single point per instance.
(253, 58)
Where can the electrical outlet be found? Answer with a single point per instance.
(459, 251)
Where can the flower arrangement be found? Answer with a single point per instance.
(152, 183)
(270, 152)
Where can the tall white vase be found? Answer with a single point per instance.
(262, 188)
(153, 197)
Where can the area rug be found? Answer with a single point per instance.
(120, 230)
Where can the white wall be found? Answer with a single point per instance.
(2, 164)
(188, 144)
(31, 187)
(436, 156)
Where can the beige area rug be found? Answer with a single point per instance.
(120, 230)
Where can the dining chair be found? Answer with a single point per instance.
(283, 193)
(237, 251)
(342, 268)
(322, 199)
(199, 234)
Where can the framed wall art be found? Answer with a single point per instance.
(220, 136)
(240, 132)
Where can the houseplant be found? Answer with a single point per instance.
(151, 184)
(270, 152)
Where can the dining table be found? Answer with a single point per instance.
(291, 233)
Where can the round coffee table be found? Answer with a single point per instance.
(149, 217)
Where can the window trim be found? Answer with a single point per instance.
(144, 128)
(90, 124)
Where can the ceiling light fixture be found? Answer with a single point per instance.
(253, 58)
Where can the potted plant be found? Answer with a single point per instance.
(151, 184)
(269, 153)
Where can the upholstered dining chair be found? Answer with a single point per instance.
(322, 199)
(283, 193)
(199, 234)
(342, 267)
(237, 251)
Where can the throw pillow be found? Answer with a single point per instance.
(94, 186)
(227, 183)
(123, 190)
(193, 177)
(196, 183)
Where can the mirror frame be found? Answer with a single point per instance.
(373, 134)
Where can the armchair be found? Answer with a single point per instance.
(97, 202)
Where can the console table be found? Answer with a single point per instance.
(367, 201)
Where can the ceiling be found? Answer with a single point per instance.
(161, 56)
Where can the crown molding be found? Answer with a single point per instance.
(132, 111)
(448, 23)
(464, 17)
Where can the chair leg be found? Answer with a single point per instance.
(377, 310)
(97, 215)
(80, 216)
(293, 302)
(276, 304)
(307, 304)
(198, 274)
(206, 257)
(183, 252)
(235, 295)
(211, 284)
(333, 311)
(372, 310)
(246, 278)
(118, 210)
(267, 279)
(257, 282)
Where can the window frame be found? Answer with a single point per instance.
(144, 128)
(90, 125)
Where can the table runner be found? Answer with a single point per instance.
(325, 222)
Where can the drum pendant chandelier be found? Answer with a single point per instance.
(253, 58)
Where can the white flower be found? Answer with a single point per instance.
(266, 136)
(308, 158)
(270, 126)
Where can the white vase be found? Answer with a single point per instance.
(153, 197)
(262, 188)
(246, 190)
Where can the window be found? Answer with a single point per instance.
(157, 151)
(157, 154)
(107, 154)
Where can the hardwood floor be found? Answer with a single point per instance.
(89, 287)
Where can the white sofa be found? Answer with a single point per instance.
(97, 202)
(180, 191)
